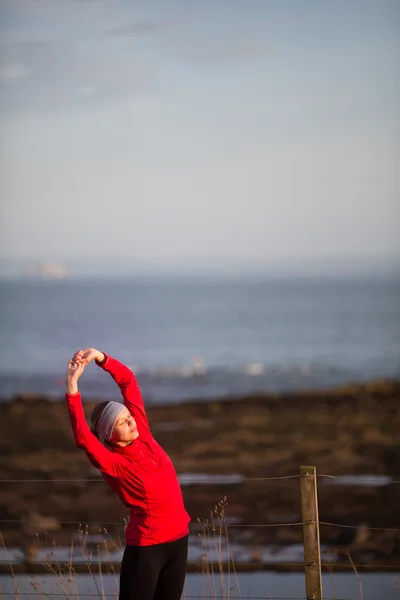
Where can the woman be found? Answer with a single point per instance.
(141, 474)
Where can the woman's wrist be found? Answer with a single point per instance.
(100, 357)
(72, 387)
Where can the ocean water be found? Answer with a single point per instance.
(198, 339)
(265, 585)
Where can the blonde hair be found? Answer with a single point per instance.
(95, 416)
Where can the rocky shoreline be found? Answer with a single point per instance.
(352, 430)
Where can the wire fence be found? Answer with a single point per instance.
(362, 480)
(49, 562)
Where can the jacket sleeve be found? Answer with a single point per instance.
(130, 390)
(104, 460)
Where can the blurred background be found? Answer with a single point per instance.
(207, 191)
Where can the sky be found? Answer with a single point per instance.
(199, 135)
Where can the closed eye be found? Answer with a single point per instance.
(125, 419)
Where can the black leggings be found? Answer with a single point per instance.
(154, 572)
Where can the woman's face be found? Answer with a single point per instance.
(125, 430)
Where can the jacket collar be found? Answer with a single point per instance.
(130, 450)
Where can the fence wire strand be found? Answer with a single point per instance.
(102, 480)
(356, 526)
(363, 478)
(212, 528)
(43, 521)
(70, 563)
(184, 596)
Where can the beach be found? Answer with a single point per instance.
(225, 451)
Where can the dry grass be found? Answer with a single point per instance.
(220, 578)
(214, 533)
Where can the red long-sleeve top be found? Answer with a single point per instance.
(141, 474)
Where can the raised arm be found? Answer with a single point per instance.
(124, 378)
(106, 461)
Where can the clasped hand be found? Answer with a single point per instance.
(76, 366)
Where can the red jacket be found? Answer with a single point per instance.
(141, 474)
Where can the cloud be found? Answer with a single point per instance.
(218, 51)
(195, 39)
(13, 71)
(139, 27)
(63, 76)
(87, 90)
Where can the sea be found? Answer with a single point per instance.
(253, 586)
(199, 339)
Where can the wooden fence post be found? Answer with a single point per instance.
(309, 511)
